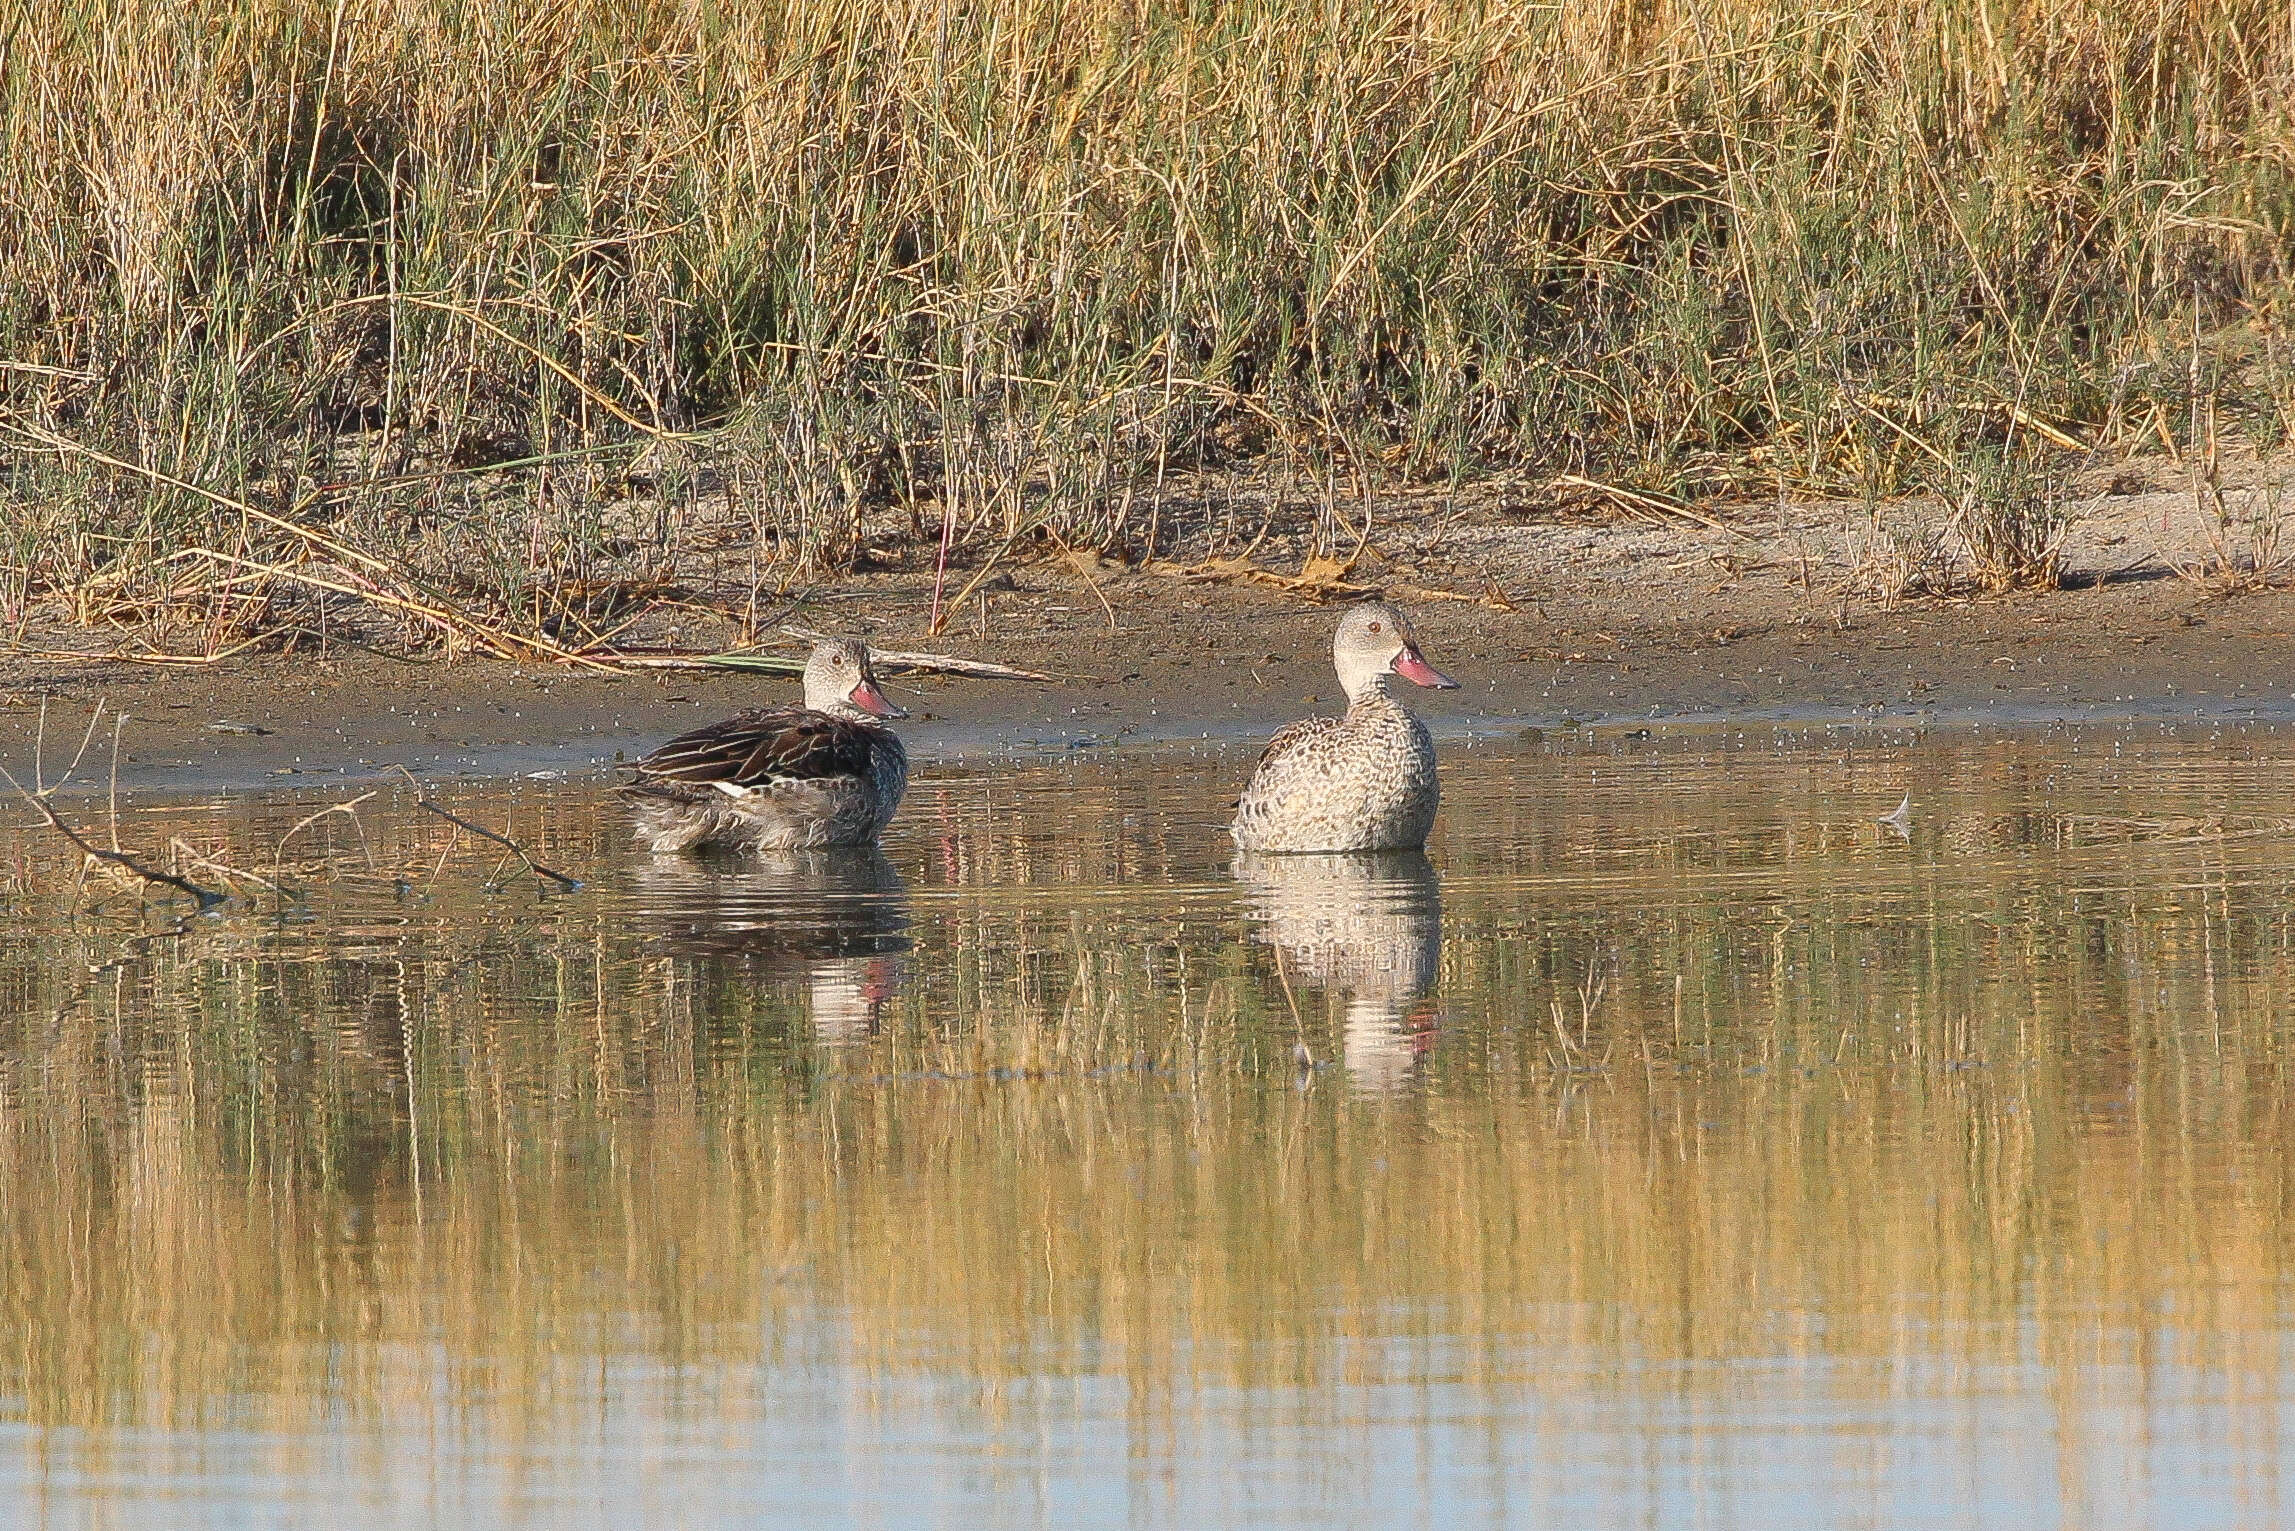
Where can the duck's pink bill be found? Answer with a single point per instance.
(1412, 666)
(870, 700)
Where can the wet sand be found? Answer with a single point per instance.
(1186, 661)
(1752, 613)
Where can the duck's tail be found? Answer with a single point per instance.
(668, 817)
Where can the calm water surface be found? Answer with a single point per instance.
(1680, 1147)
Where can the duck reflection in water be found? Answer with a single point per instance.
(1369, 925)
(837, 919)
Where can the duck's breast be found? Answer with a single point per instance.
(1361, 782)
(1397, 772)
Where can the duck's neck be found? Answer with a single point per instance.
(1365, 691)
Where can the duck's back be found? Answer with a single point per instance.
(1364, 781)
(778, 777)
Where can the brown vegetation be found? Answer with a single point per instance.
(480, 321)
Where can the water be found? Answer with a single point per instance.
(1680, 1147)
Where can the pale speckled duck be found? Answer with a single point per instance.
(781, 778)
(1360, 782)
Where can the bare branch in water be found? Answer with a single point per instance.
(40, 749)
(349, 810)
(422, 801)
(208, 898)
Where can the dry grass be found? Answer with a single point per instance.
(450, 315)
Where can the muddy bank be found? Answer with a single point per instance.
(1224, 662)
(1772, 615)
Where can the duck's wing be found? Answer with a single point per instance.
(1295, 739)
(769, 744)
(1294, 746)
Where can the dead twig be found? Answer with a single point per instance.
(1644, 502)
(789, 664)
(769, 664)
(153, 657)
(207, 898)
(1081, 562)
(940, 613)
(192, 855)
(348, 809)
(949, 664)
(488, 638)
(2008, 409)
(1299, 1052)
(363, 575)
(899, 661)
(40, 749)
(422, 800)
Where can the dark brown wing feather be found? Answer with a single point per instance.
(768, 744)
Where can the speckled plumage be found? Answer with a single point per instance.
(1361, 782)
(779, 778)
(1364, 781)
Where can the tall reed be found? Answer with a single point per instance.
(1012, 263)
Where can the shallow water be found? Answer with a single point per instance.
(1680, 1146)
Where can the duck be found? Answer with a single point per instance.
(829, 773)
(1364, 781)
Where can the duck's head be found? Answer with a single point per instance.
(841, 681)
(1374, 641)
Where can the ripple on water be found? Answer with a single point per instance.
(1677, 1142)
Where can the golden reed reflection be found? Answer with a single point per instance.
(1750, 1081)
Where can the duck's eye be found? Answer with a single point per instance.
(1376, 628)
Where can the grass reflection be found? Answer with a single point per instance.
(1703, 1068)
